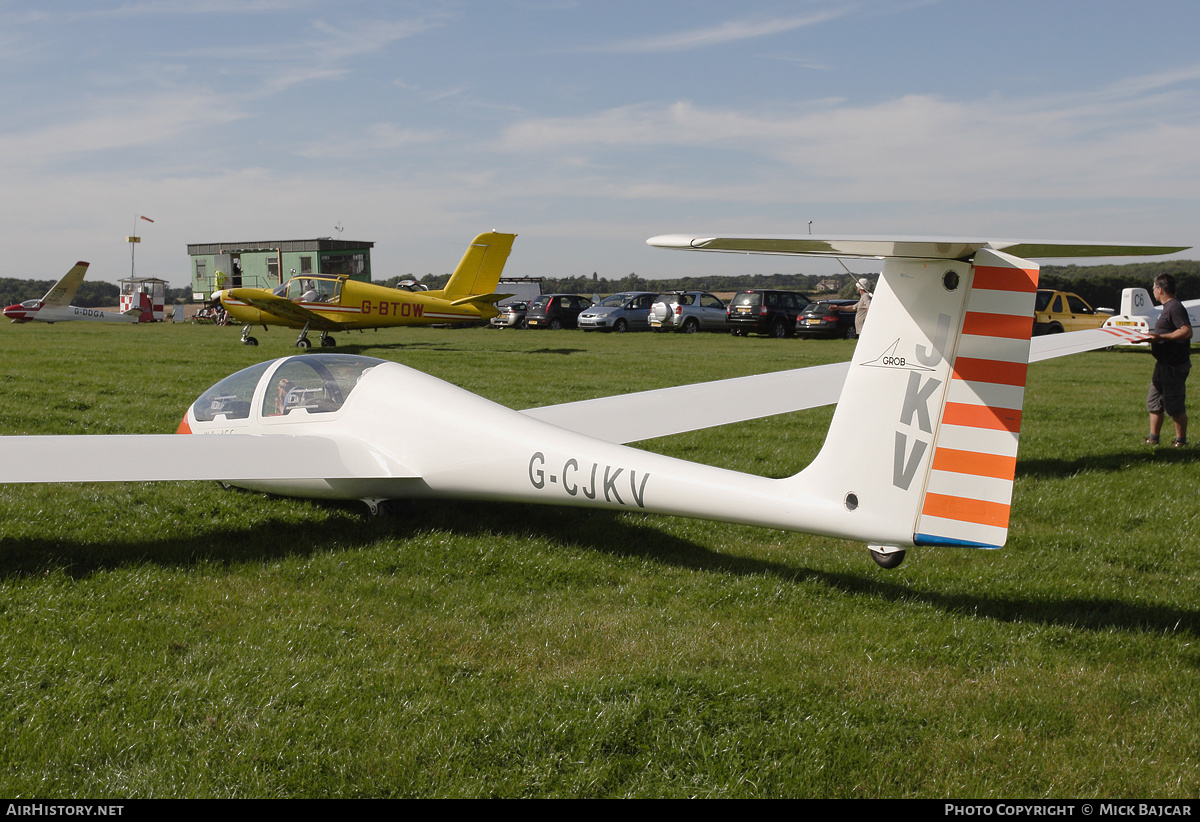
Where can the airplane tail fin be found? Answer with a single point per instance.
(923, 444)
(64, 290)
(479, 270)
(1136, 302)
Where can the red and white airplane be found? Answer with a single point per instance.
(921, 451)
(56, 306)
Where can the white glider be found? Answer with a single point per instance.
(921, 450)
(1139, 313)
(56, 306)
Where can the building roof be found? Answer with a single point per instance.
(319, 244)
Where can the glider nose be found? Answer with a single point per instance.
(16, 313)
(183, 428)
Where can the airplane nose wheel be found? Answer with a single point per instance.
(887, 560)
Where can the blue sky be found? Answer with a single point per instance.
(586, 127)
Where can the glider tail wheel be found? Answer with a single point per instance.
(889, 559)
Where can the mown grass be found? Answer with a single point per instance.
(182, 640)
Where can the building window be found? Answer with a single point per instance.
(306, 265)
(344, 265)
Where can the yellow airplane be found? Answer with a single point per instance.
(327, 303)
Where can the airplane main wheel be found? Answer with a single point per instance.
(328, 342)
(888, 561)
(303, 342)
(250, 341)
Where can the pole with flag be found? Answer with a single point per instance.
(133, 240)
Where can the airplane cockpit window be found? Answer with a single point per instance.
(313, 290)
(231, 397)
(318, 383)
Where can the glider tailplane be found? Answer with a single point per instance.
(923, 444)
(479, 270)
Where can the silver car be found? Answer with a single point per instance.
(687, 311)
(626, 311)
(510, 316)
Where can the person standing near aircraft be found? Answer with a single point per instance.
(1171, 345)
(860, 308)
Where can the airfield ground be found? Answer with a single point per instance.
(183, 640)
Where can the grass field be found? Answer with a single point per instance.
(178, 639)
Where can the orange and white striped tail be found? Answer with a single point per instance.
(970, 481)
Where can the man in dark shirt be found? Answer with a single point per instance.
(1171, 345)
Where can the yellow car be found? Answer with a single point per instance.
(1058, 311)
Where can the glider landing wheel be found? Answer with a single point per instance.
(888, 561)
(249, 341)
(303, 342)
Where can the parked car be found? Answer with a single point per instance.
(510, 316)
(1057, 311)
(687, 311)
(821, 319)
(555, 311)
(625, 311)
(764, 311)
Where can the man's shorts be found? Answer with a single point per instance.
(1168, 390)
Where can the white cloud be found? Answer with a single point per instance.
(727, 32)
(1116, 141)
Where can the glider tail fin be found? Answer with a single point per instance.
(480, 268)
(923, 443)
(64, 290)
(1136, 302)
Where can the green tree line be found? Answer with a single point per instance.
(94, 294)
(1100, 285)
(596, 284)
(91, 294)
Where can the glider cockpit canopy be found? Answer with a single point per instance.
(316, 383)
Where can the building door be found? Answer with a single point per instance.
(224, 264)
